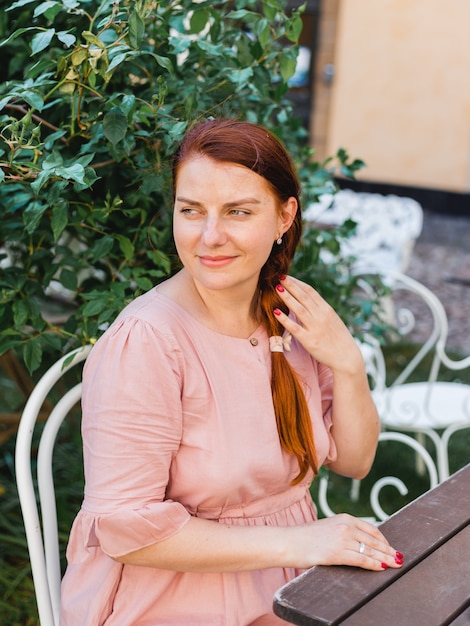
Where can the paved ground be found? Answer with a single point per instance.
(441, 260)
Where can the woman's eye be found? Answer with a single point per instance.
(239, 212)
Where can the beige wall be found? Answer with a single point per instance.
(401, 94)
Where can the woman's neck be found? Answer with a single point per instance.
(229, 313)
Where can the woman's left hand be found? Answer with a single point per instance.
(320, 329)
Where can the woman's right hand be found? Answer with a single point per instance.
(344, 540)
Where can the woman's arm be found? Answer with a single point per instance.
(322, 333)
(208, 546)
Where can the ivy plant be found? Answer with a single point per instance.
(94, 97)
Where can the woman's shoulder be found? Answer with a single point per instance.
(151, 319)
(157, 310)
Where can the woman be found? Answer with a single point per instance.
(209, 405)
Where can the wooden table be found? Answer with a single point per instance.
(431, 589)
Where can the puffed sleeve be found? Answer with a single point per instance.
(132, 427)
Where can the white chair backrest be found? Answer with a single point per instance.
(385, 481)
(411, 301)
(43, 546)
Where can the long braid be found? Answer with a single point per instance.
(290, 405)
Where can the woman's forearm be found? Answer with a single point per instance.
(208, 546)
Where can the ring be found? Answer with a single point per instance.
(362, 547)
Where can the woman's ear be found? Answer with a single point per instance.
(288, 212)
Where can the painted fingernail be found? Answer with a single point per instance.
(383, 565)
(277, 312)
(280, 288)
(398, 561)
(282, 277)
(399, 555)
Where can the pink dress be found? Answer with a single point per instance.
(178, 420)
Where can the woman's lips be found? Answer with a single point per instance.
(216, 261)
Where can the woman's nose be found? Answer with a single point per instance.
(214, 232)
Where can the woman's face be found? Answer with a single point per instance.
(226, 219)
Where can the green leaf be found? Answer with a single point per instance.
(94, 307)
(32, 215)
(41, 180)
(342, 155)
(32, 354)
(53, 340)
(240, 77)
(287, 67)
(33, 99)
(263, 32)
(164, 62)
(126, 246)
(269, 11)
(241, 14)
(20, 313)
(66, 38)
(19, 3)
(144, 283)
(5, 101)
(260, 26)
(78, 56)
(9, 339)
(40, 41)
(136, 30)
(44, 7)
(59, 219)
(295, 29)
(74, 172)
(115, 125)
(198, 20)
(42, 69)
(68, 279)
(127, 103)
(209, 48)
(93, 39)
(117, 60)
(102, 247)
(17, 33)
(92, 79)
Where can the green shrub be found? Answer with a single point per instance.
(94, 98)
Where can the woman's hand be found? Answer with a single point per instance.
(320, 329)
(346, 540)
(323, 334)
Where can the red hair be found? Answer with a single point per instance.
(256, 148)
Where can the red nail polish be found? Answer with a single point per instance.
(383, 565)
(399, 555)
(398, 561)
(277, 312)
(282, 277)
(280, 288)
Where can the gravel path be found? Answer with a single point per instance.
(441, 260)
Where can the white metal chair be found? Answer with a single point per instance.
(386, 226)
(385, 481)
(428, 407)
(41, 525)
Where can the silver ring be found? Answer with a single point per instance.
(362, 547)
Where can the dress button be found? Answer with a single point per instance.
(254, 341)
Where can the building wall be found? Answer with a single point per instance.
(400, 97)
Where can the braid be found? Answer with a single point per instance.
(290, 405)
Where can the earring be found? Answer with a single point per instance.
(279, 241)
